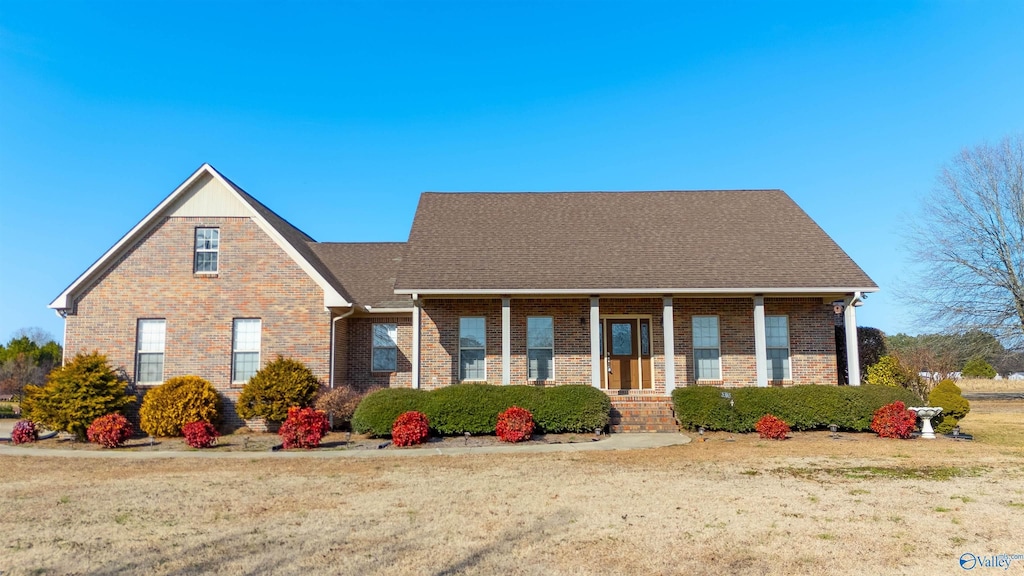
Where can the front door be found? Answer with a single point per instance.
(622, 365)
(626, 353)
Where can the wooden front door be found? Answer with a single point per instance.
(622, 352)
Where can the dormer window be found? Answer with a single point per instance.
(207, 248)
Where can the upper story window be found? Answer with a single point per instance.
(472, 349)
(207, 249)
(385, 347)
(707, 363)
(777, 344)
(149, 357)
(540, 347)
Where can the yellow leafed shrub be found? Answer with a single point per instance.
(180, 400)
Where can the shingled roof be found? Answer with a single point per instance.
(369, 270)
(298, 239)
(671, 241)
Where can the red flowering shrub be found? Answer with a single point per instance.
(199, 434)
(894, 421)
(24, 431)
(514, 425)
(410, 428)
(110, 431)
(304, 428)
(772, 428)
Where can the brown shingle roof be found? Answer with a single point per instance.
(369, 270)
(298, 239)
(755, 239)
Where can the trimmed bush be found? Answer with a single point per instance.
(378, 411)
(24, 432)
(304, 428)
(474, 408)
(573, 408)
(275, 388)
(167, 408)
(410, 428)
(340, 403)
(110, 431)
(76, 394)
(462, 408)
(514, 425)
(199, 434)
(954, 406)
(887, 372)
(894, 421)
(771, 428)
(808, 407)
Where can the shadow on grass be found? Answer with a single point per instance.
(539, 530)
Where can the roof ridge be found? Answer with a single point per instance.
(554, 192)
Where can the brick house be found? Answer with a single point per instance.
(634, 293)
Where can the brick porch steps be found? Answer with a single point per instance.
(642, 414)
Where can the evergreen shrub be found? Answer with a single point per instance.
(275, 388)
(167, 408)
(807, 407)
(474, 408)
(954, 406)
(76, 394)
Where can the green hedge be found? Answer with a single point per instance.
(379, 410)
(474, 408)
(802, 407)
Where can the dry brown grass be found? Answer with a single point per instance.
(986, 385)
(808, 505)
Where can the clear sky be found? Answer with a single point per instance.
(338, 114)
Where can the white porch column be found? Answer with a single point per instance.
(506, 341)
(416, 311)
(852, 346)
(595, 342)
(668, 326)
(760, 342)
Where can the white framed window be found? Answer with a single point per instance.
(149, 356)
(777, 344)
(540, 347)
(245, 349)
(207, 250)
(385, 348)
(472, 348)
(707, 353)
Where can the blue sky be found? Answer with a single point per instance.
(337, 115)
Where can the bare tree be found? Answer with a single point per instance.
(970, 244)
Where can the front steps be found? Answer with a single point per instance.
(642, 414)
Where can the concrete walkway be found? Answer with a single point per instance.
(611, 442)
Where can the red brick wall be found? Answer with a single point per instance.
(439, 339)
(812, 339)
(572, 340)
(256, 279)
(359, 364)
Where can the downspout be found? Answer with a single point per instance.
(63, 313)
(334, 327)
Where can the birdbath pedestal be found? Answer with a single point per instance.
(926, 413)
